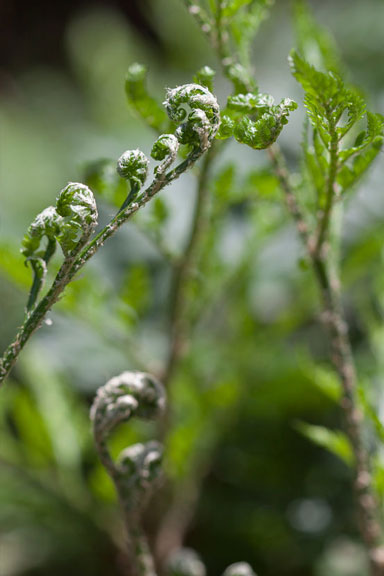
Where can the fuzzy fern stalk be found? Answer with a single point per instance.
(137, 469)
(72, 221)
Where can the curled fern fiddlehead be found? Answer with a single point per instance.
(72, 219)
(133, 166)
(138, 467)
(165, 149)
(77, 206)
(202, 122)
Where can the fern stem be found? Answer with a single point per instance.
(342, 358)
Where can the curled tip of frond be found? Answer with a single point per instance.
(126, 395)
(47, 223)
(165, 148)
(239, 569)
(133, 166)
(185, 562)
(138, 467)
(74, 215)
(201, 124)
(165, 145)
(77, 201)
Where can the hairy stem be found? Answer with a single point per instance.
(281, 171)
(138, 546)
(342, 359)
(76, 260)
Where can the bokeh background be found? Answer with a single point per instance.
(257, 364)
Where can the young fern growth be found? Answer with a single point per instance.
(73, 219)
(334, 109)
(70, 223)
(137, 469)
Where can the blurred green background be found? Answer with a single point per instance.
(257, 363)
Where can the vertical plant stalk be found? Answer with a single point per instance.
(138, 547)
(342, 357)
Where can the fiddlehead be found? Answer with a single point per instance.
(133, 167)
(77, 206)
(200, 125)
(138, 467)
(165, 149)
(72, 219)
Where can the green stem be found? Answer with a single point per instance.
(138, 547)
(38, 280)
(342, 358)
(138, 544)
